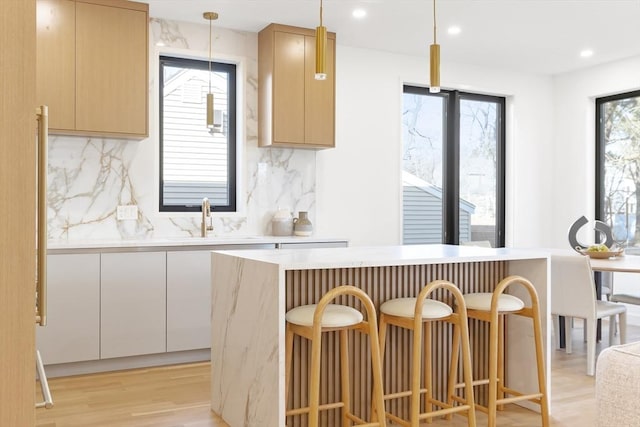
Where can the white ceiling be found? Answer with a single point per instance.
(539, 36)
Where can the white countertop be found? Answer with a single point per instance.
(183, 242)
(304, 259)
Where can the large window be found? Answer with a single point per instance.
(618, 165)
(453, 167)
(196, 163)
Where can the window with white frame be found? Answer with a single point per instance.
(194, 161)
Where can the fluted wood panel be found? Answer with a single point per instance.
(382, 284)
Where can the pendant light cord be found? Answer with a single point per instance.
(210, 25)
(434, 22)
(321, 13)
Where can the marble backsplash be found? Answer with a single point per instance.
(89, 177)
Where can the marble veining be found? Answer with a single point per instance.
(89, 177)
(243, 328)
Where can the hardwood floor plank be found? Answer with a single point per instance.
(178, 396)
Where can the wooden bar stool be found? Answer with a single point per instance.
(492, 307)
(310, 321)
(418, 314)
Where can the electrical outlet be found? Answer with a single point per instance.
(125, 212)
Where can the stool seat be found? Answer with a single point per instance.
(482, 301)
(405, 307)
(334, 316)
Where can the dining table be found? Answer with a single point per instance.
(619, 264)
(625, 263)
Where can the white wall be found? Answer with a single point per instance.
(574, 143)
(358, 192)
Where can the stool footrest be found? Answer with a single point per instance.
(398, 420)
(443, 412)
(475, 383)
(517, 396)
(359, 421)
(304, 410)
(463, 401)
(432, 414)
(401, 394)
(362, 423)
(444, 405)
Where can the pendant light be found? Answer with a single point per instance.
(210, 16)
(321, 49)
(434, 58)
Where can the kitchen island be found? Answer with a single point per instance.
(252, 290)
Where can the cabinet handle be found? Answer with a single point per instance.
(42, 114)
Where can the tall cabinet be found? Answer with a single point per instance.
(294, 109)
(17, 213)
(92, 66)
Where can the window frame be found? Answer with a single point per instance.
(451, 160)
(201, 64)
(600, 149)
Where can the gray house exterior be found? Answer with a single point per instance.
(422, 212)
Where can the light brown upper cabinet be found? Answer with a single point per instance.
(92, 66)
(294, 109)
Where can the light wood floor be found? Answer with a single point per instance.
(177, 396)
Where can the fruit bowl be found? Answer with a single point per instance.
(602, 254)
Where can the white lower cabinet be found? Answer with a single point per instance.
(133, 304)
(119, 304)
(188, 300)
(72, 332)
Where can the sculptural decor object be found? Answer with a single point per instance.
(600, 227)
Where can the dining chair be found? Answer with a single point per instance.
(573, 294)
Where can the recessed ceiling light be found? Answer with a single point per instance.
(160, 43)
(359, 13)
(586, 53)
(453, 30)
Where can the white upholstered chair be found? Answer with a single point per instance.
(573, 294)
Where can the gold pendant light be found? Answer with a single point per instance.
(210, 16)
(434, 58)
(321, 49)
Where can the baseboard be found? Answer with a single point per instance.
(122, 363)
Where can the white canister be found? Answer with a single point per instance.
(282, 223)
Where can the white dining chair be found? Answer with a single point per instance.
(573, 294)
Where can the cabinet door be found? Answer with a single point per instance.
(72, 333)
(111, 69)
(288, 88)
(55, 61)
(319, 97)
(188, 300)
(133, 304)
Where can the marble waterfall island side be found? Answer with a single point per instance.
(252, 290)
